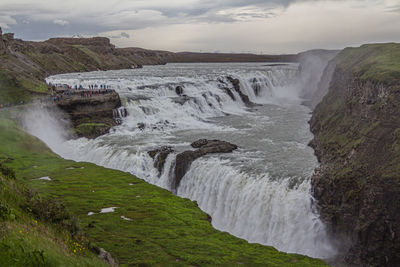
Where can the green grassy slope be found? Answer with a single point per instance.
(376, 62)
(10, 92)
(37, 232)
(164, 229)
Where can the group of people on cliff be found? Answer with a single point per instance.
(84, 93)
(90, 93)
(102, 86)
(80, 87)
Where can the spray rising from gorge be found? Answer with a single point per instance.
(260, 192)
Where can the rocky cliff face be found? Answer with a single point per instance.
(357, 141)
(91, 116)
(2, 44)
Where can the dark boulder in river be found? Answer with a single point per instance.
(179, 90)
(185, 159)
(159, 156)
(236, 86)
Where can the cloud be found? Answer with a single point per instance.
(127, 14)
(395, 8)
(121, 35)
(203, 24)
(248, 13)
(6, 21)
(61, 22)
(125, 35)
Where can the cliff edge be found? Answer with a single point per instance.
(24, 64)
(357, 141)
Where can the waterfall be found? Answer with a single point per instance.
(260, 193)
(257, 209)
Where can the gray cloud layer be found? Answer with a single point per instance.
(225, 25)
(39, 20)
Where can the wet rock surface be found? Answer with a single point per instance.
(236, 86)
(105, 256)
(204, 147)
(231, 84)
(179, 90)
(159, 156)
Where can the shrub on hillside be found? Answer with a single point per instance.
(52, 211)
(7, 171)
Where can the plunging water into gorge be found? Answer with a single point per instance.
(260, 192)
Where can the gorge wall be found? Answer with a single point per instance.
(91, 115)
(357, 141)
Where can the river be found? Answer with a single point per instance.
(260, 192)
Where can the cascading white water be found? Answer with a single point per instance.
(257, 209)
(260, 192)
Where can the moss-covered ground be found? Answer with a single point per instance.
(159, 228)
(35, 231)
(375, 62)
(10, 92)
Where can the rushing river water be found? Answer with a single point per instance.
(260, 192)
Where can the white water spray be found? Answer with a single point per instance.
(260, 193)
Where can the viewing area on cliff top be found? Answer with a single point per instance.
(64, 91)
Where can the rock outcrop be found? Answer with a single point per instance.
(179, 90)
(233, 84)
(105, 256)
(2, 44)
(93, 115)
(357, 141)
(236, 87)
(159, 156)
(204, 147)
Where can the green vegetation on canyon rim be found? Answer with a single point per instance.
(163, 230)
(374, 62)
(356, 138)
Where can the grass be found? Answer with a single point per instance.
(92, 129)
(28, 240)
(10, 91)
(89, 53)
(164, 230)
(376, 62)
(36, 87)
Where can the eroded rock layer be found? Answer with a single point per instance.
(357, 141)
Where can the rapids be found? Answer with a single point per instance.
(261, 192)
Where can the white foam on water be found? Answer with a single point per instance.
(259, 206)
(258, 209)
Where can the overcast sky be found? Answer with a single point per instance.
(258, 26)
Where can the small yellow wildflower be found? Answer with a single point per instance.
(74, 250)
(20, 231)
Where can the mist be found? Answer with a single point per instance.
(50, 125)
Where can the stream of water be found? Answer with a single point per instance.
(260, 192)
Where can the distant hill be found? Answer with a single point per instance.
(187, 57)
